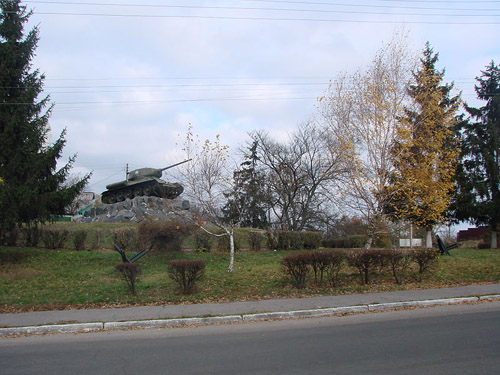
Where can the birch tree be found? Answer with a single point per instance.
(207, 181)
(360, 112)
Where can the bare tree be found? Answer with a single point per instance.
(207, 179)
(298, 173)
(360, 113)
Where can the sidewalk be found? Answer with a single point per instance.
(210, 313)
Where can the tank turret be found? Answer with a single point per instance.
(143, 181)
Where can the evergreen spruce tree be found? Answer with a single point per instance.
(31, 186)
(425, 150)
(246, 204)
(477, 197)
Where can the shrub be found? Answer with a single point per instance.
(203, 240)
(97, 239)
(129, 273)
(398, 261)
(425, 258)
(484, 245)
(272, 240)
(32, 236)
(364, 261)
(125, 238)
(311, 240)
(166, 236)
(79, 237)
(54, 238)
(255, 240)
(297, 266)
(186, 272)
(335, 261)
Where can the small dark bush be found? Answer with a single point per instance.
(32, 236)
(54, 238)
(203, 240)
(425, 258)
(398, 260)
(255, 240)
(79, 237)
(166, 236)
(365, 261)
(129, 273)
(335, 261)
(297, 266)
(125, 238)
(9, 237)
(186, 272)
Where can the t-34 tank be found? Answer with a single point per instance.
(143, 181)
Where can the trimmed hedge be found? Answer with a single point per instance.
(397, 262)
(294, 240)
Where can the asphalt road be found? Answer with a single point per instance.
(459, 339)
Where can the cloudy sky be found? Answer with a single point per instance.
(128, 76)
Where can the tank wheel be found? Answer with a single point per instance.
(147, 190)
(120, 197)
(104, 199)
(111, 198)
(137, 192)
(129, 194)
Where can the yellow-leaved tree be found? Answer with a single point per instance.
(425, 150)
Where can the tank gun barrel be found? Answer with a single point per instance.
(175, 165)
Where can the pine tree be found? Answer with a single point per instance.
(425, 149)
(246, 204)
(31, 187)
(477, 198)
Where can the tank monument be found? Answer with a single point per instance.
(143, 194)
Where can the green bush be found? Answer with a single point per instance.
(203, 240)
(311, 240)
(255, 240)
(54, 238)
(164, 237)
(186, 272)
(294, 240)
(79, 237)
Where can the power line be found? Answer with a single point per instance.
(232, 18)
(123, 5)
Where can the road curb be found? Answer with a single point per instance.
(199, 321)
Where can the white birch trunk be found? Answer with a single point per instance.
(231, 251)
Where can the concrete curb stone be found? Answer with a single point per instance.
(196, 321)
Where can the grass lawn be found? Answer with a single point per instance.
(40, 279)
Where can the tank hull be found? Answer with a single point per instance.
(155, 187)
